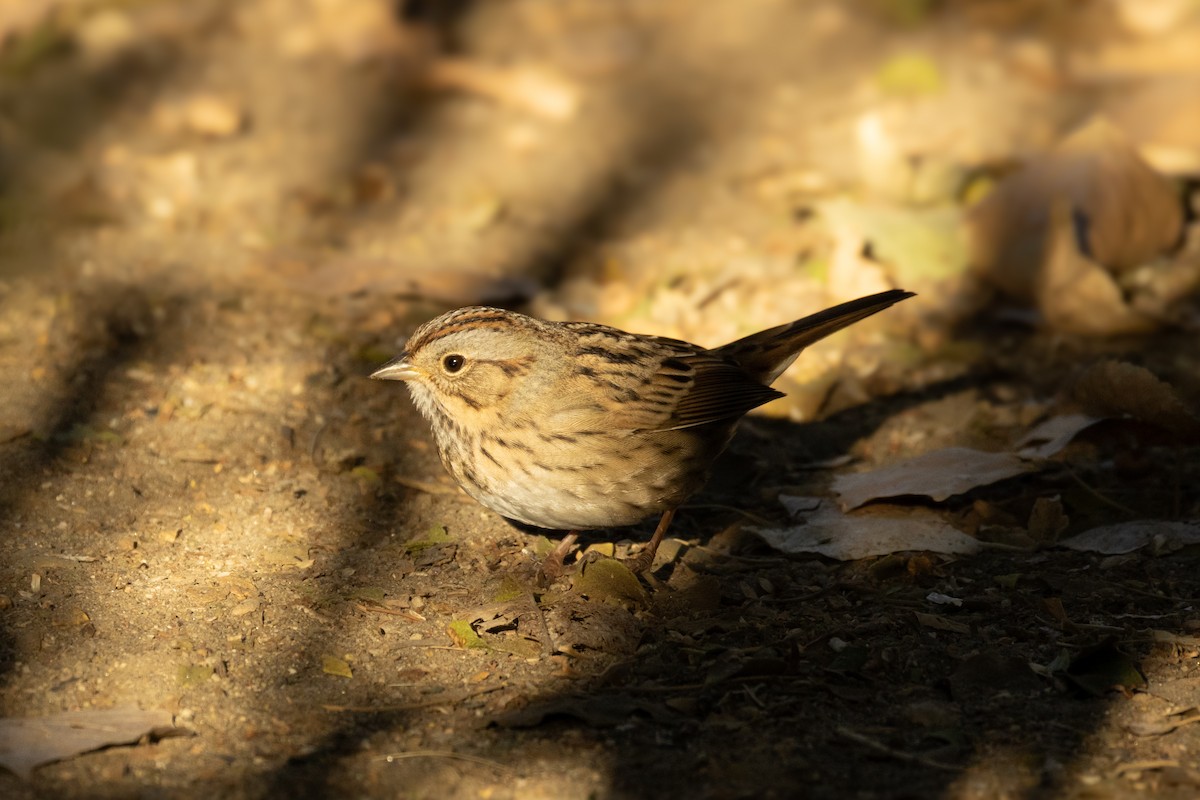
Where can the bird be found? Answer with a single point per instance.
(577, 426)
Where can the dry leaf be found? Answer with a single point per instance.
(1047, 520)
(531, 89)
(609, 580)
(1048, 438)
(28, 742)
(833, 534)
(937, 475)
(1090, 207)
(332, 665)
(1126, 537)
(464, 636)
(1075, 293)
(1118, 389)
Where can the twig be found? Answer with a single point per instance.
(316, 441)
(487, 762)
(899, 755)
(428, 487)
(1142, 766)
(1096, 494)
(548, 646)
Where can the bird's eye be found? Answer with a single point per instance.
(453, 363)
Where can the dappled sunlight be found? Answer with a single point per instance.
(955, 560)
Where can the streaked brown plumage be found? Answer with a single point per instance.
(573, 425)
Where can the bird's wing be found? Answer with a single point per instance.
(688, 387)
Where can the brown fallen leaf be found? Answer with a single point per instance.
(939, 474)
(1120, 389)
(28, 742)
(1055, 231)
(1075, 293)
(1047, 519)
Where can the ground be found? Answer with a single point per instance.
(217, 218)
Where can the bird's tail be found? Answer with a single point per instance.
(766, 354)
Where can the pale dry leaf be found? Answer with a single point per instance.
(1075, 293)
(1127, 214)
(1126, 537)
(937, 475)
(527, 88)
(1120, 389)
(829, 532)
(1049, 437)
(28, 742)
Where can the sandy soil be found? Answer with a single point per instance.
(216, 218)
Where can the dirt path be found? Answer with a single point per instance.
(218, 217)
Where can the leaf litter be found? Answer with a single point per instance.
(746, 655)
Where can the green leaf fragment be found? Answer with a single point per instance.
(608, 580)
(510, 589)
(192, 675)
(436, 535)
(365, 474)
(332, 665)
(910, 74)
(464, 636)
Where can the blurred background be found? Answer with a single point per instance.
(217, 216)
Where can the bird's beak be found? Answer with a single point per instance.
(398, 369)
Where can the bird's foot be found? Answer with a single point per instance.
(645, 559)
(552, 567)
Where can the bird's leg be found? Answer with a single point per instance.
(553, 567)
(645, 559)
